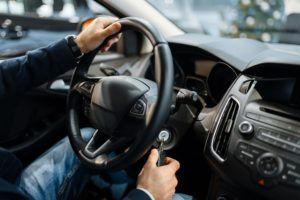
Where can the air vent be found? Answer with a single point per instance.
(224, 128)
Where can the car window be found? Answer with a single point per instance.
(30, 24)
(45, 8)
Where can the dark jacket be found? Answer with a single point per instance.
(20, 75)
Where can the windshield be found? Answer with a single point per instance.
(276, 21)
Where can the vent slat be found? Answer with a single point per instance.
(224, 129)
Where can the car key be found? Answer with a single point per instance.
(162, 154)
(163, 137)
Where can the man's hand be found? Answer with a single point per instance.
(95, 33)
(159, 181)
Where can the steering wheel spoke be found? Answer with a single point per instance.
(99, 145)
(85, 88)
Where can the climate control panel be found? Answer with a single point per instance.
(268, 169)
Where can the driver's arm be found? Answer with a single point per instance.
(156, 183)
(39, 66)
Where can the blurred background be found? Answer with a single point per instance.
(265, 20)
(274, 21)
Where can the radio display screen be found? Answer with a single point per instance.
(282, 91)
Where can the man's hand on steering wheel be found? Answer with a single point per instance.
(94, 35)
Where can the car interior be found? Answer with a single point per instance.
(231, 113)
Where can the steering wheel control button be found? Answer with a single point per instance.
(269, 165)
(246, 129)
(86, 88)
(138, 108)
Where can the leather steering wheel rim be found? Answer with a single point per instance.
(158, 115)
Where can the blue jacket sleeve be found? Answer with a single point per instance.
(137, 195)
(39, 66)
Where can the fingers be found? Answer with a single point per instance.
(172, 164)
(107, 46)
(153, 157)
(111, 29)
(95, 33)
(108, 31)
(105, 21)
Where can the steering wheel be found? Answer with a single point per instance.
(127, 112)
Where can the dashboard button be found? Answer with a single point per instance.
(250, 163)
(264, 182)
(293, 174)
(248, 154)
(269, 165)
(246, 128)
(291, 166)
(255, 152)
(243, 146)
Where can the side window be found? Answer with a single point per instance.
(46, 8)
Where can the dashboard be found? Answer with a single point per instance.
(209, 77)
(256, 136)
(250, 123)
(252, 117)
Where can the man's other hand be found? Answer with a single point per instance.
(95, 33)
(159, 181)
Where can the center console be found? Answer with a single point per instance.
(255, 142)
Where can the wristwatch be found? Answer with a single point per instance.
(70, 39)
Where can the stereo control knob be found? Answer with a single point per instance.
(269, 165)
(246, 129)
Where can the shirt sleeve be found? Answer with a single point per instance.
(20, 74)
(147, 192)
(139, 194)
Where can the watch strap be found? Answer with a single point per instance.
(70, 39)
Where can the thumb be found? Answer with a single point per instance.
(111, 29)
(153, 158)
